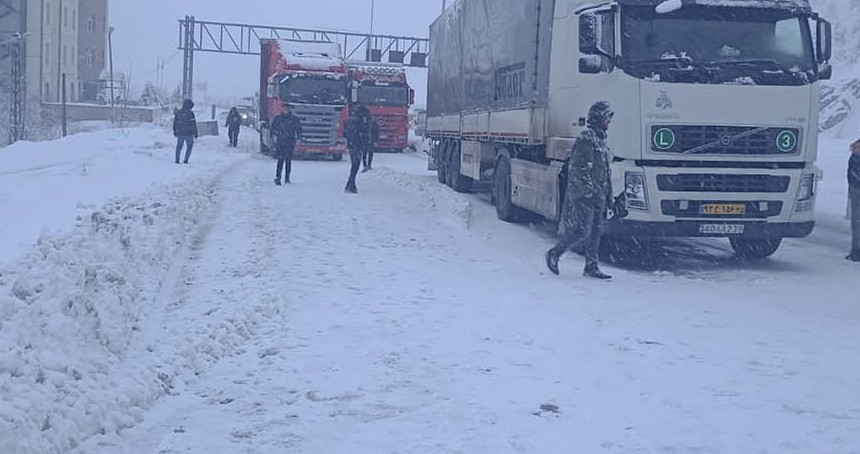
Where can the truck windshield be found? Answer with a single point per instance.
(394, 95)
(718, 45)
(313, 90)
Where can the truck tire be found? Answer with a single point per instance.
(441, 170)
(337, 157)
(459, 183)
(755, 248)
(505, 208)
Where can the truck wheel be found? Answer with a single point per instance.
(459, 182)
(505, 208)
(441, 163)
(756, 248)
(337, 157)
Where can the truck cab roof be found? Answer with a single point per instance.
(801, 6)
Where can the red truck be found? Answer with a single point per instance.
(312, 77)
(383, 89)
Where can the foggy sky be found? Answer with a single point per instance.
(149, 30)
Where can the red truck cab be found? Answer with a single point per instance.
(312, 77)
(383, 89)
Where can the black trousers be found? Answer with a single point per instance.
(367, 158)
(285, 164)
(584, 224)
(355, 156)
(233, 134)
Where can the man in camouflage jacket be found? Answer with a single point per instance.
(589, 193)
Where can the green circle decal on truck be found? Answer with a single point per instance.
(786, 141)
(664, 139)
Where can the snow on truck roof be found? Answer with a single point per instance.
(311, 55)
(792, 5)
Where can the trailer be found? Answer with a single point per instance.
(716, 109)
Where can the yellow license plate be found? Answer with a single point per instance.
(724, 209)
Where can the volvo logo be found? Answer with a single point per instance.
(663, 101)
(726, 140)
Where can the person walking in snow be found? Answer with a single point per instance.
(358, 133)
(367, 156)
(854, 199)
(287, 131)
(234, 121)
(185, 129)
(589, 193)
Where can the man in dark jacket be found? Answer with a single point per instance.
(234, 121)
(185, 129)
(854, 198)
(286, 130)
(358, 133)
(589, 193)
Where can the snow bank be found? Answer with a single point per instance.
(71, 316)
(450, 206)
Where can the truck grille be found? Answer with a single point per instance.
(319, 124)
(391, 130)
(723, 183)
(725, 140)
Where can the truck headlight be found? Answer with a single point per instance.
(635, 191)
(805, 193)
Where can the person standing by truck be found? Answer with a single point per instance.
(358, 133)
(185, 129)
(287, 130)
(367, 156)
(854, 198)
(234, 121)
(589, 193)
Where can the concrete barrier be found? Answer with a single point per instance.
(94, 112)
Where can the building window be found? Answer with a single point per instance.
(65, 17)
(65, 54)
(47, 14)
(89, 58)
(91, 24)
(47, 53)
(47, 90)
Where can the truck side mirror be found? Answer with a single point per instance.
(591, 64)
(353, 94)
(411, 96)
(823, 41)
(588, 34)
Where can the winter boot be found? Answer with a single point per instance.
(594, 272)
(351, 189)
(277, 181)
(854, 256)
(552, 261)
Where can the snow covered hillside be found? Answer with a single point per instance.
(840, 97)
(191, 309)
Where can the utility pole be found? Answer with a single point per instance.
(110, 69)
(443, 6)
(59, 49)
(370, 35)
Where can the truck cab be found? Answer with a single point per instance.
(716, 127)
(312, 78)
(383, 89)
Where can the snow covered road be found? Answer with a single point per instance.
(408, 319)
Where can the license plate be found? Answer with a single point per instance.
(721, 229)
(724, 209)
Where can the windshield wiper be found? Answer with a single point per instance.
(677, 61)
(770, 64)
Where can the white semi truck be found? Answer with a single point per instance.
(716, 109)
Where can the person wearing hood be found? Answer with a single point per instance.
(588, 194)
(234, 121)
(185, 129)
(854, 198)
(287, 131)
(358, 132)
